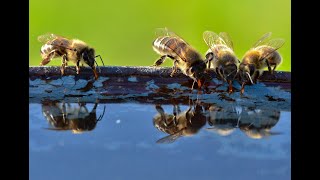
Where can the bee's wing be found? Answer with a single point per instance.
(166, 32)
(163, 32)
(212, 39)
(47, 37)
(227, 39)
(170, 139)
(275, 44)
(262, 40)
(62, 42)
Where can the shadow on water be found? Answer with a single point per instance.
(70, 116)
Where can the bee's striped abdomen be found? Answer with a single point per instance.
(171, 46)
(46, 49)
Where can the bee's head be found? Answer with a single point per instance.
(246, 71)
(88, 56)
(197, 72)
(230, 71)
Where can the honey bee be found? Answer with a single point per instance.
(178, 124)
(64, 116)
(73, 50)
(184, 57)
(263, 54)
(221, 56)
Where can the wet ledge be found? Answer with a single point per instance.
(86, 72)
(150, 85)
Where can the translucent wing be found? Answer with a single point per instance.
(262, 40)
(227, 39)
(166, 32)
(61, 41)
(170, 139)
(212, 39)
(47, 37)
(275, 44)
(163, 32)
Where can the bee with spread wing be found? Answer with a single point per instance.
(221, 56)
(263, 54)
(185, 57)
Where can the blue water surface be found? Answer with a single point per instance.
(123, 145)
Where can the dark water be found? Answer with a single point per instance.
(133, 141)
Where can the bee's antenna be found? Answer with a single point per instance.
(249, 77)
(97, 63)
(193, 84)
(101, 116)
(100, 59)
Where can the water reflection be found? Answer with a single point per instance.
(66, 116)
(177, 124)
(255, 123)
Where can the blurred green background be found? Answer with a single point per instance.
(122, 31)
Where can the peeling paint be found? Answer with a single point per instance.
(151, 85)
(98, 82)
(132, 79)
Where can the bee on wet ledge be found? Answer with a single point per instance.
(221, 57)
(73, 50)
(263, 54)
(185, 57)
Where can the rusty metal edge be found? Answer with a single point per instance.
(279, 76)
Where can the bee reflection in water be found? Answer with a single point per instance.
(255, 123)
(64, 116)
(178, 124)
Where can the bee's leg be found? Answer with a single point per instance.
(47, 59)
(94, 107)
(209, 58)
(162, 114)
(274, 68)
(230, 89)
(176, 111)
(218, 72)
(269, 67)
(255, 77)
(78, 66)
(159, 61)
(242, 88)
(63, 63)
(174, 68)
(64, 111)
(188, 117)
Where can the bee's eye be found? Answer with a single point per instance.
(192, 69)
(252, 69)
